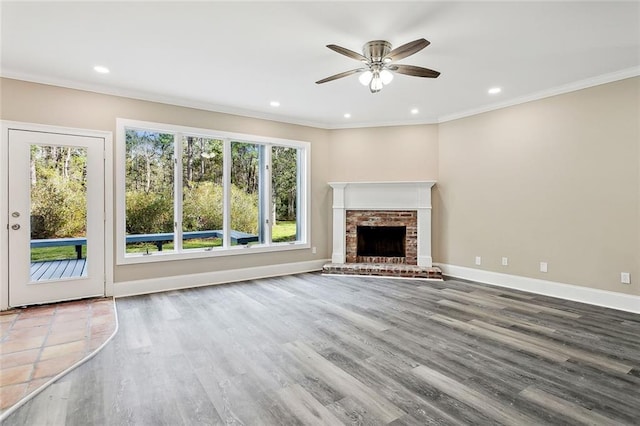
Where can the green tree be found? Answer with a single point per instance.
(58, 192)
(284, 178)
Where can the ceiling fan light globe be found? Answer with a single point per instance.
(386, 76)
(376, 83)
(365, 78)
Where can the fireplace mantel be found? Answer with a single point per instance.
(382, 196)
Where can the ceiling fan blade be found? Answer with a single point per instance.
(407, 49)
(342, 74)
(414, 71)
(346, 52)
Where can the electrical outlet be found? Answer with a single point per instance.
(314, 250)
(478, 260)
(625, 278)
(543, 266)
(505, 261)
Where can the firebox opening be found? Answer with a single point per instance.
(381, 241)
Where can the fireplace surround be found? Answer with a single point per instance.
(383, 205)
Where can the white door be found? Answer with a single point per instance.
(56, 217)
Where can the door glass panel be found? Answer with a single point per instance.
(246, 182)
(202, 194)
(149, 191)
(58, 212)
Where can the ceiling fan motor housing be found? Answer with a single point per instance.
(376, 50)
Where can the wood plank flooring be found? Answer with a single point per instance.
(312, 349)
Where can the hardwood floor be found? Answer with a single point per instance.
(312, 349)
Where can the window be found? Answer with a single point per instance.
(188, 192)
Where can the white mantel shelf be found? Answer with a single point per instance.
(399, 183)
(414, 195)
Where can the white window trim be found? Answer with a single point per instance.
(304, 174)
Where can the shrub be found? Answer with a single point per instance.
(202, 207)
(58, 207)
(244, 211)
(149, 213)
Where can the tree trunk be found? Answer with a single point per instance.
(201, 159)
(32, 171)
(67, 161)
(189, 154)
(147, 187)
(291, 206)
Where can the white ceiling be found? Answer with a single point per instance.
(238, 56)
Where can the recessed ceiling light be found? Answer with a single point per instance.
(101, 69)
(494, 90)
(274, 103)
(347, 115)
(415, 111)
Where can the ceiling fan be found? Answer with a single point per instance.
(378, 58)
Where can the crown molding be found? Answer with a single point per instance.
(224, 109)
(153, 97)
(559, 90)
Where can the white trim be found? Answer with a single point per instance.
(159, 98)
(155, 285)
(227, 249)
(4, 213)
(385, 195)
(547, 93)
(108, 215)
(225, 109)
(592, 296)
(107, 136)
(164, 256)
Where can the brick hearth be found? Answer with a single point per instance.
(393, 270)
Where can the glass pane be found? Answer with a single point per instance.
(284, 187)
(58, 212)
(245, 193)
(202, 194)
(149, 191)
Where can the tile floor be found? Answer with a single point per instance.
(40, 342)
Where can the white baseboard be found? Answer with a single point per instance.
(155, 285)
(592, 296)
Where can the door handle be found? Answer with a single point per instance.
(15, 226)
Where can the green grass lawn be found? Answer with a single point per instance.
(42, 254)
(281, 232)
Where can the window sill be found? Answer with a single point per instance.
(207, 254)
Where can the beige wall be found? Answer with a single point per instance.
(555, 180)
(400, 153)
(43, 104)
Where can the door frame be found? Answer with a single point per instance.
(4, 198)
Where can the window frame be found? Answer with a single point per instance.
(304, 187)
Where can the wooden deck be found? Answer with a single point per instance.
(57, 269)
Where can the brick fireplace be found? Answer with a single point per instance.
(382, 228)
(389, 224)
